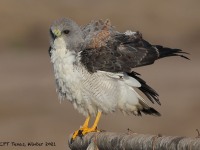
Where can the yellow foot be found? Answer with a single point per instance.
(82, 131)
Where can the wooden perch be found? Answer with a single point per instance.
(133, 141)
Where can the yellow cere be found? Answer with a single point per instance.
(57, 32)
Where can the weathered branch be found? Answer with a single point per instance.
(133, 141)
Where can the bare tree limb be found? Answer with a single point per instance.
(122, 141)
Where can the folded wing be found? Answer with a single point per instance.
(108, 50)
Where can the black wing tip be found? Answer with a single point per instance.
(185, 56)
(150, 111)
(167, 52)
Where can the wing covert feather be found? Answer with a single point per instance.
(120, 53)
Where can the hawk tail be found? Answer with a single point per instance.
(150, 93)
(167, 52)
(150, 111)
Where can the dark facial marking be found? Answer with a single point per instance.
(52, 35)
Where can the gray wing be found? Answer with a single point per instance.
(118, 52)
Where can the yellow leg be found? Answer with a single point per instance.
(85, 125)
(84, 129)
(94, 126)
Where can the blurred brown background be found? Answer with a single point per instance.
(29, 107)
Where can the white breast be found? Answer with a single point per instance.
(63, 62)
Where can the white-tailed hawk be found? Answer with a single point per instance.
(93, 68)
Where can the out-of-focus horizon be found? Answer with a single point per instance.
(30, 109)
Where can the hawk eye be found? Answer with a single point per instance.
(66, 31)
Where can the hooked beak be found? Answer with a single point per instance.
(57, 32)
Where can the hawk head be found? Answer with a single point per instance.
(68, 31)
